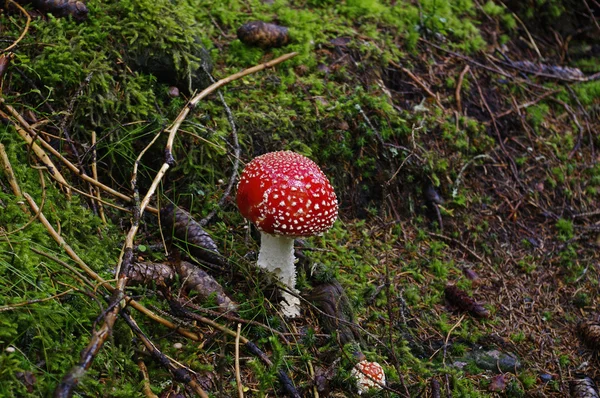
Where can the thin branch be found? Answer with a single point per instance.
(134, 304)
(118, 299)
(39, 152)
(238, 378)
(461, 77)
(8, 171)
(146, 389)
(194, 101)
(29, 302)
(61, 242)
(180, 373)
(95, 177)
(24, 32)
(32, 132)
(420, 84)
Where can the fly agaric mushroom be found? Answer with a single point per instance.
(285, 195)
(368, 375)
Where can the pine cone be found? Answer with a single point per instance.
(461, 300)
(147, 272)
(589, 333)
(583, 387)
(205, 285)
(198, 243)
(264, 35)
(61, 8)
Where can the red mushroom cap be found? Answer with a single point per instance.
(285, 193)
(372, 369)
(369, 375)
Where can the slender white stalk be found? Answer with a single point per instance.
(277, 256)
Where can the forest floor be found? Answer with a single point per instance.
(460, 137)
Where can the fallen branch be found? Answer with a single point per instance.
(39, 152)
(461, 77)
(118, 299)
(194, 101)
(33, 133)
(134, 304)
(179, 373)
(14, 306)
(24, 32)
(420, 84)
(284, 379)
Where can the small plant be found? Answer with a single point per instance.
(528, 380)
(565, 229)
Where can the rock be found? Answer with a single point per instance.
(495, 361)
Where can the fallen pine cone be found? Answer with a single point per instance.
(196, 279)
(589, 333)
(461, 300)
(583, 387)
(198, 243)
(263, 35)
(338, 316)
(61, 8)
(4, 62)
(434, 386)
(147, 272)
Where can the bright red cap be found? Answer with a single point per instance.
(285, 193)
(372, 369)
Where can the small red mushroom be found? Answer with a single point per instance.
(368, 375)
(286, 195)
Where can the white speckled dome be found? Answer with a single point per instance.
(285, 193)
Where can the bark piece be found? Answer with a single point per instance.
(564, 72)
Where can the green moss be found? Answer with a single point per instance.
(528, 380)
(565, 229)
(537, 114)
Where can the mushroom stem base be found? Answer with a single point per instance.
(277, 256)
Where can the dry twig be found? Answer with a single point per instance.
(146, 389)
(238, 377)
(461, 77)
(8, 171)
(180, 373)
(28, 138)
(420, 84)
(24, 32)
(118, 299)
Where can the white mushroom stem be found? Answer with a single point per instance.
(277, 256)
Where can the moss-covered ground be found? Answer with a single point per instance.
(399, 103)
